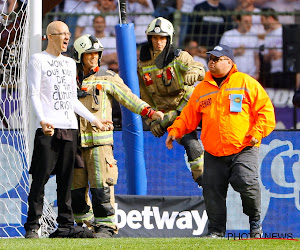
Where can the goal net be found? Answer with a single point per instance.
(14, 123)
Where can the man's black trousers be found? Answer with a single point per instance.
(52, 155)
(241, 171)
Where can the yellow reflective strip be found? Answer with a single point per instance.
(197, 162)
(102, 136)
(83, 217)
(97, 167)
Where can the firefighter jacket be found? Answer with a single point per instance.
(164, 88)
(101, 87)
(231, 114)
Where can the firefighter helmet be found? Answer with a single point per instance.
(87, 44)
(161, 27)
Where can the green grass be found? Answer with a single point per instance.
(147, 243)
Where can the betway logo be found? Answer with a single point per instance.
(182, 220)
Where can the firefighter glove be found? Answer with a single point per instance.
(169, 118)
(194, 75)
(156, 129)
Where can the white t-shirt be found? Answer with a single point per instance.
(273, 40)
(53, 91)
(234, 39)
(256, 27)
(86, 21)
(256, 23)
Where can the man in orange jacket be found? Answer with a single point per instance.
(236, 114)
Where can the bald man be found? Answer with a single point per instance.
(53, 92)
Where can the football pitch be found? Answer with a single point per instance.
(149, 243)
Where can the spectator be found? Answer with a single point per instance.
(207, 29)
(100, 170)
(273, 53)
(165, 8)
(236, 113)
(245, 46)
(202, 51)
(192, 47)
(280, 6)
(135, 9)
(109, 42)
(167, 77)
(256, 27)
(104, 7)
(73, 8)
(186, 7)
(53, 91)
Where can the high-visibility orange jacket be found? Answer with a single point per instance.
(225, 132)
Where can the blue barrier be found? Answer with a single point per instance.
(132, 123)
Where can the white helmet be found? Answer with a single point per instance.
(161, 27)
(87, 44)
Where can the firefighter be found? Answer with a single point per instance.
(167, 77)
(97, 88)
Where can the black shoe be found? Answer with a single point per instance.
(256, 229)
(103, 232)
(72, 232)
(215, 235)
(32, 234)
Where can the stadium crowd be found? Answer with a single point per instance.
(199, 26)
(257, 38)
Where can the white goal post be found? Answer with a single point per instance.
(20, 36)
